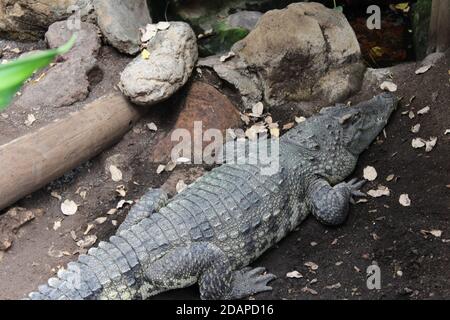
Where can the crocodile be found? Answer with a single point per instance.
(211, 232)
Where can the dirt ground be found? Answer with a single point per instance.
(414, 264)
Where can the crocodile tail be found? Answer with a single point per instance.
(109, 271)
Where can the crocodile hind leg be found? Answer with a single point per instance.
(330, 204)
(150, 202)
(207, 265)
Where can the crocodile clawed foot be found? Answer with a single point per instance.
(251, 281)
(354, 185)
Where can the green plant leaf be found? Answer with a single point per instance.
(15, 73)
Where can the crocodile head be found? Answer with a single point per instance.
(361, 124)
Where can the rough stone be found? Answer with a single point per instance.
(120, 22)
(203, 14)
(173, 54)
(67, 82)
(302, 66)
(244, 19)
(29, 19)
(237, 74)
(227, 31)
(203, 103)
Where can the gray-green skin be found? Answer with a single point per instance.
(212, 231)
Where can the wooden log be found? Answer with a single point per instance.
(439, 33)
(32, 161)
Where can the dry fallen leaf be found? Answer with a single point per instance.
(275, 132)
(312, 265)
(294, 275)
(170, 166)
(111, 211)
(390, 177)
(418, 143)
(89, 227)
(375, 236)
(160, 169)
(289, 125)
(251, 133)
(436, 233)
(380, 192)
(152, 127)
(149, 32)
(122, 203)
(87, 241)
(334, 286)
(228, 56)
(163, 25)
(183, 160)
(257, 110)
(423, 69)
(415, 128)
(101, 220)
(370, 173)
(405, 200)
(145, 54)
(181, 186)
(116, 174)
(52, 252)
(430, 144)
(245, 119)
(300, 119)
(69, 207)
(56, 225)
(388, 86)
(30, 120)
(309, 290)
(424, 110)
(83, 194)
(121, 190)
(55, 194)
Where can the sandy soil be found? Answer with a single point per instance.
(414, 264)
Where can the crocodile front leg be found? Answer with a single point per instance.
(206, 264)
(330, 204)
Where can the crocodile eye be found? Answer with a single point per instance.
(356, 117)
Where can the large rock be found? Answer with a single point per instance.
(120, 22)
(305, 52)
(304, 56)
(66, 82)
(235, 72)
(203, 103)
(29, 19)
(173, 54)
